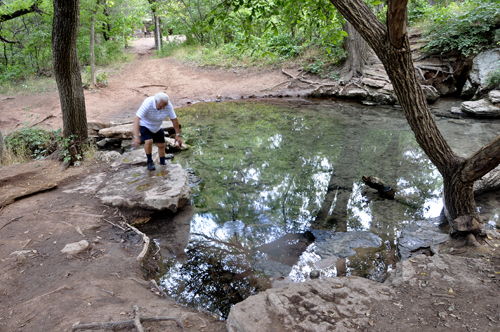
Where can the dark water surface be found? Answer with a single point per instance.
(278, 177)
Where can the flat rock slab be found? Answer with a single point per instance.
(125, 131)
(135, 187)
(420, 234)
(321, 305)
(481, 108)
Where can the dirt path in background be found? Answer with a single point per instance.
(42, 289)
(185, 84)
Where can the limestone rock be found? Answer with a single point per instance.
(125, 131)
(420, 234)
(494, 96)
(457, 111)
(93, 127)
(106, 156)
(341, 244)
(356, 93)
(135, 187)
(171, 145)
(373, 83)
(321, 305)
(481, 108)
(75, 248)
(482, 65)
(135, 157)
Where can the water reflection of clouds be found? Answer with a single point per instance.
(359, 208)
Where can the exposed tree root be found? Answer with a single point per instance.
(10, 198)
(136, 322)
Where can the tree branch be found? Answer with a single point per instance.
(396, 22)
(483, 161)
(8, 41)
(33, 9)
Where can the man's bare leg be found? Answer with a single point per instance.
(161, 152)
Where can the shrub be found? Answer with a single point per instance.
(468, 28)
(33, 142)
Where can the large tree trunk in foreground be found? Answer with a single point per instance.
(67, 68)
(393, 48)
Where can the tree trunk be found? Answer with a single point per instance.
(358, 51)
(93, 81)
(67, 68)
(393, 48)
(158, 41)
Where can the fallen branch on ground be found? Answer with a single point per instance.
(8, 222)
(136, 322)
(145, 238)
(7, 199)
(79, 214)
(46, 118)
(51, 292)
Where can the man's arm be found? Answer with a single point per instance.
(178, 139)
(136, 139)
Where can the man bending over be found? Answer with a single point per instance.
(148, 120)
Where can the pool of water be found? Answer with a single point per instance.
(278, 177)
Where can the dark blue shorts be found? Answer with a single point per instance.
(146, 134)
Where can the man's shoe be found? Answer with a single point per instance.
(151, 166)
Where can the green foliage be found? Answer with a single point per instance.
(493, 79)
(37, 142)
(285, 45)
(417, 10)
(467, 28)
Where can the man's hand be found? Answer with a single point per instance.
(136, 141)
(178, 140)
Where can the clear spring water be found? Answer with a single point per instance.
(274, 173)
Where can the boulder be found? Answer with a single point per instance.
(125, 131)
(494, 96)
(482, 65)
(321, 305)
(131, 186)
(93, 127)
(419, 235)
(481, 108)
(167, 188)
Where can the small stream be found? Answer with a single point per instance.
(280, 177)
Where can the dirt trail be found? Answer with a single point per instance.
(185, 84)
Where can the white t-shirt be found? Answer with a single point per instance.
(151, 117)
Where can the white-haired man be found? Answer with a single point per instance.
(147, 122)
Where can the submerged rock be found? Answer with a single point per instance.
(341, 244)
(420, 234)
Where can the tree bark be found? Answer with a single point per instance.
(93, 81)
(67, 68)
(393, 49)
(358, 51)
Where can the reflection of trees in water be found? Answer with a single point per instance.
(217, 275)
